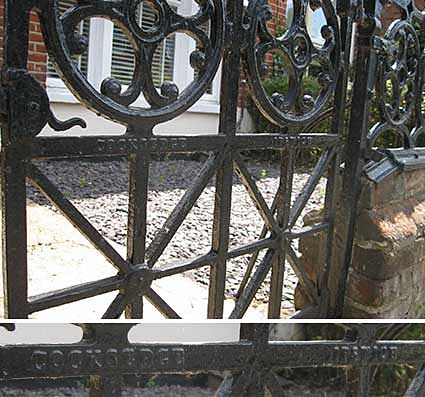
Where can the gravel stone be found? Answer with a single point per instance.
(159, 391)
(100, 191)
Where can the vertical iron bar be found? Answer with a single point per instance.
(363, 383)
(108, 384)
(346, 12)
(227, 126)
(105, 386)
(137, 218)
(14, 234)
(13, 185)
(356, 146)
(283, 210)
(258, 334)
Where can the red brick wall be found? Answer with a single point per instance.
(392, 12)
(37, 57)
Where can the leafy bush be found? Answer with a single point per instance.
(272, 85)
(278, 83)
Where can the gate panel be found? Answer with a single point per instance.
(238, 36)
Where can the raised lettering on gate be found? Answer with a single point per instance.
(93, 359)
(359, 354)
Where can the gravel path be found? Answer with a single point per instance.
(161, 391)
(99, 190)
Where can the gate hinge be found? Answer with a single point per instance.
(26, 107)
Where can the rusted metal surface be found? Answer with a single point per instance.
(105, 355)
(238, 36)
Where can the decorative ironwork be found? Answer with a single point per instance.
(236, 35)
(299, 53)
(398, 82)
(106, 355)
(63, 42)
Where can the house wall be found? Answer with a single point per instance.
(160, 333)
(37, 59)
(194, 121)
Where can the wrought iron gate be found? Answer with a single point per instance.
(105, 355)
(238, 37)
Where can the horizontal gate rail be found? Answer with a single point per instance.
(105, 352)
(80, 147)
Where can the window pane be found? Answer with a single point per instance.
(84, 29)
(316, 20)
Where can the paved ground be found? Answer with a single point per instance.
(59, 257)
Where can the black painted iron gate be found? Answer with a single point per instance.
(239, 36)
(105, 355)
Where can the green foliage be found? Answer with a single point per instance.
(395, 379)
(83, 182)
(150, 383)
(279, 84)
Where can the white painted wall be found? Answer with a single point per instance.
(165, 332)
(187, 123)
(35, 333)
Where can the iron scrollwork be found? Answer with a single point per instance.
(299, 53)
(29, 106)
(164, 104)
(399, 78)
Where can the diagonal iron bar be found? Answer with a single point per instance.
(117, 307)
(55, 196)
(307, 285)
(310, 185)
(161, 305)
(75, 293)
(182, 209)
(254, 283)
(417, 387)
(257, 198)
(254, 256)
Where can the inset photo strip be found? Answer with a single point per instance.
(212, 359)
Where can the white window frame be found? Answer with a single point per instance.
(100, 48)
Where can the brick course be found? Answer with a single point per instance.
(388, 269)
(37, 54)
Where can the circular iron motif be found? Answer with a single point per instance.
(398, 74)
(166, 102)
(298, 53)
